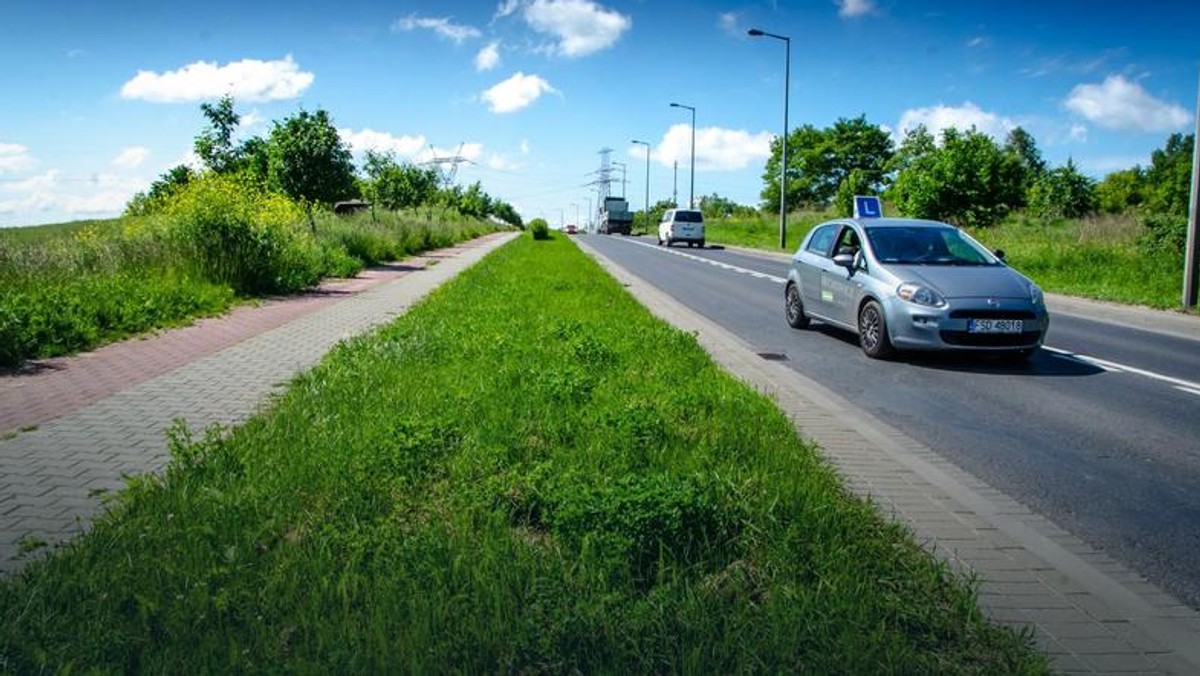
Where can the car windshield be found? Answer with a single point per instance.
(926, 246)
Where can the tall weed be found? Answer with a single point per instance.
(235, 234)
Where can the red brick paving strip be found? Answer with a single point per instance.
(49, 388)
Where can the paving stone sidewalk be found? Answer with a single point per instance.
(73, 428)
(1089, 613)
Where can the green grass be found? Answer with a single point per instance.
(66, 288)
(1099, 257)
(525, 473)
(763, 232)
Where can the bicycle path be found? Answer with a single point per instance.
(72, 428)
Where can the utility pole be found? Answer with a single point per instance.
(647, 207)
(1191, 261)
(675, 189)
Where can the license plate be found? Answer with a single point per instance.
(995, 326)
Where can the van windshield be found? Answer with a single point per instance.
(689, 217)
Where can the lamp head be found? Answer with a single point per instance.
(754, 33)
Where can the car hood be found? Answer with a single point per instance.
(955, 281)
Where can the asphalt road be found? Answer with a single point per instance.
(1100, 433)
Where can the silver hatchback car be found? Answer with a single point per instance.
(906, 284)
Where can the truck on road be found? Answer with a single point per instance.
(615, 217)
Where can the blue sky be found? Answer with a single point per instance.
(98, 99)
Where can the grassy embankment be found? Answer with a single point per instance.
(66, 288)
(525, 473)
(1098, 257)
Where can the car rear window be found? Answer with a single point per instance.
(689, 217)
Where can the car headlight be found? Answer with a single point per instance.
(920, 294)
(1035, 294)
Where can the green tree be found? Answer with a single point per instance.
(1168, 190)
(857, 183)
(475, 202)
(505, 212)
(1062, 193)
(800, 183)
(214, 145)
(398, 186)
(1021, 144)
(967, 180)
(1121, 191)
(820, 160)
(155, 199)
(1169, 177)
(715, 206)
(917, 143)
(309, 162)
(254, 160)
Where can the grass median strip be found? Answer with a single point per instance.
(525, 473)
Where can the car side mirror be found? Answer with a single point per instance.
(999, 253)
(844, 260)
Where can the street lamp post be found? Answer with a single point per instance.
(692, 193)
(589, 213)
(787, 77)
(576, 205)
(647, 207)
(622, 166)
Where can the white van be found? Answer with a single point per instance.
(681, 225)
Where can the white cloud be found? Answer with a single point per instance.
(245, 80)
(132, 157)
(383, 142)
(580, 27)
(850, 9)
(515, 93)
(49, 194)
(524, 146)
(14, 157)
(443, 27)
(730, 22)
(1120, 104)
(488, 57)
(190, 160)
(977, 42)
(38, 183)
(501, 163)
(250, 120)
(1078, 132)
(938, 118)
(506, 8)
(716, 148)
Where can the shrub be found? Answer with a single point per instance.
(1164, 232)
(539, 228)
(237, 235)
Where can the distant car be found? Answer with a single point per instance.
(681, 225)
(906, 284)
(571, 229)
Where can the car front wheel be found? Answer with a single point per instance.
(793, 308)
(872, 331)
